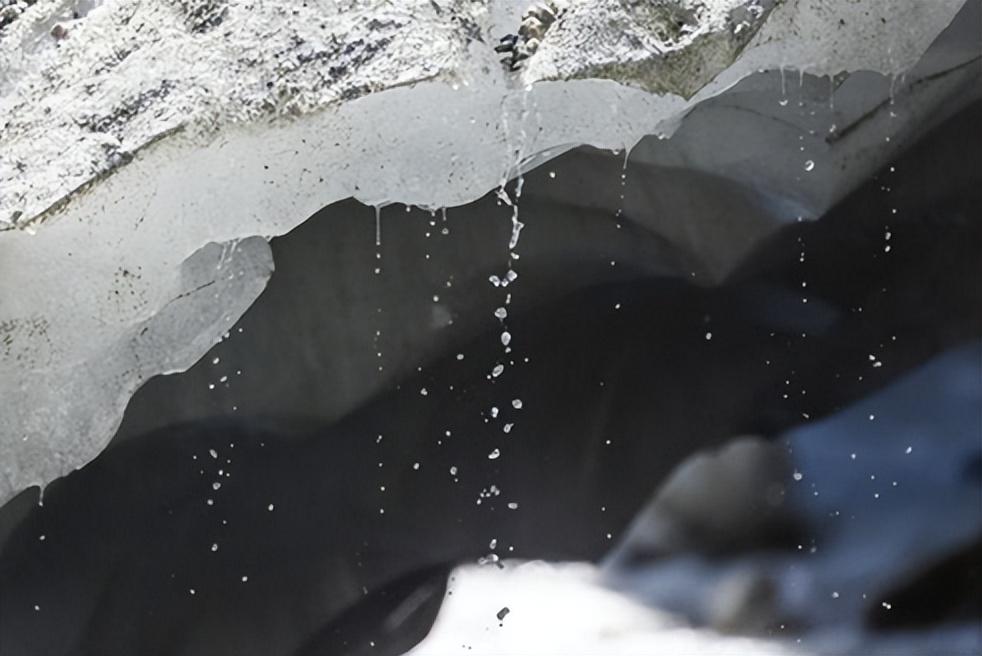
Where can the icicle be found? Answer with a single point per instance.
(378, 226)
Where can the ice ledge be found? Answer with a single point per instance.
(84, 90)
(137, 133)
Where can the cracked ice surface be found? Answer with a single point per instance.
(147, 149)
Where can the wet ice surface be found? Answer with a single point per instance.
(886, 487)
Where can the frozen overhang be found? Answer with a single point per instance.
(150, 149)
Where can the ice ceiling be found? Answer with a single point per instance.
(148, 150)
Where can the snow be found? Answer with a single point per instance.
(563, 610)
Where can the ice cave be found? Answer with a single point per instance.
(576, 327)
